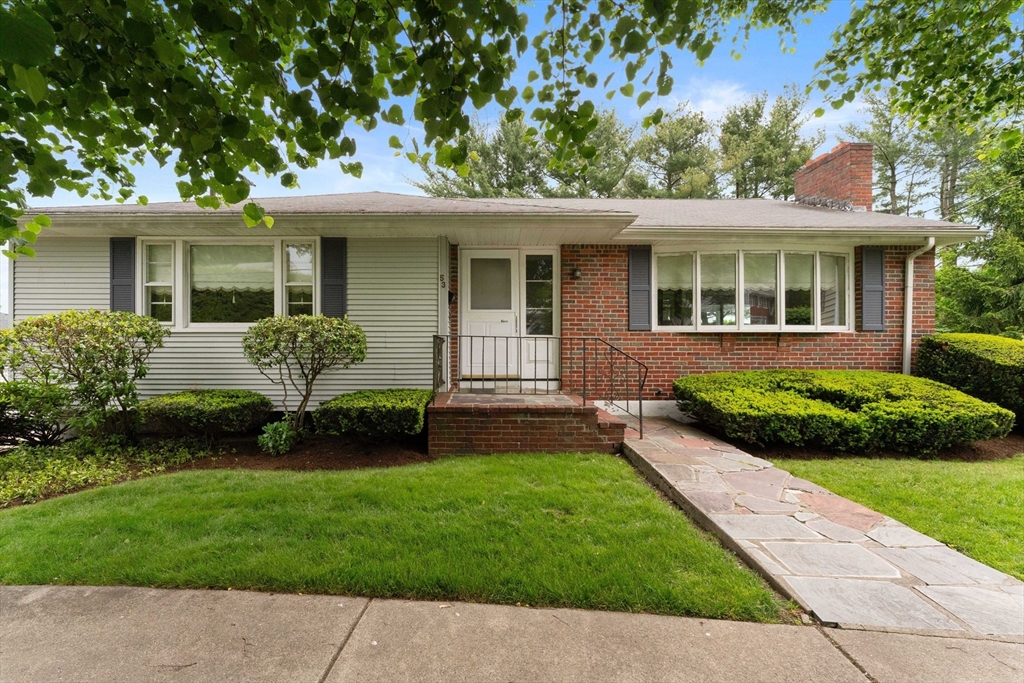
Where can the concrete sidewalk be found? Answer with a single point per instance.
(51, 633)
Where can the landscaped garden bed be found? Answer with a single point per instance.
(558, 530)
(840, 411)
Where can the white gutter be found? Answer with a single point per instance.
(908, 302)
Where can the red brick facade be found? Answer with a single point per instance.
(843, 174)
(596, 305)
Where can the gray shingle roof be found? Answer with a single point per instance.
(353, 203)
(650, 213)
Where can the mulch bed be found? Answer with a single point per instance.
(993, 449)
(314, 453)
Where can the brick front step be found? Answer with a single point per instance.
(530, 426)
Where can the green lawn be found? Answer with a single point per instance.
(975, 507)
(560, 530)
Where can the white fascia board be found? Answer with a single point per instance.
(844, 236)
(477, 229)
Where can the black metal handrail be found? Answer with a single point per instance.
(503, 365)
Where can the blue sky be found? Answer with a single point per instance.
(719, 83)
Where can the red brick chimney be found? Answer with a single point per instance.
(840, 179)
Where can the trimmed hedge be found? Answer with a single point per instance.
(205, 412)
(844, 410)
(985, 366)
(376, 413)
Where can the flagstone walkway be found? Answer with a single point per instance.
(847, 565)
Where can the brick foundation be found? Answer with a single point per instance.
(485, 429)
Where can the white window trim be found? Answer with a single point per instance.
(142, 262)
(698, 293)
(555, 252)
(180, 291)
(740, 327)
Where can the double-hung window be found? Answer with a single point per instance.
(755, 290)
(158, 281)
(197, 283)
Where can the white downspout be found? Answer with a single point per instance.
(908, 303)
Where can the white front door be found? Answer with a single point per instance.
(490, 314)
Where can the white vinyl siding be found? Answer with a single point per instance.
(66, 273)
(392, 293)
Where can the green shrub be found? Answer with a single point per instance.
(854, 410)
(985, 366)
(205, 412)
(376, 413)
(98, 357)
(292, 351)
(34, 413)
(278, 437)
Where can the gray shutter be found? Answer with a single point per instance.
(122, 274)
(872, 289)
(333, 276)
(639, 288)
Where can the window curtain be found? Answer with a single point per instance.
(232, 267)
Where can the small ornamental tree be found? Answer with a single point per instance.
(93, 358)
(293, 351)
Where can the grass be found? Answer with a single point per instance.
(975, 507)
(556, 530)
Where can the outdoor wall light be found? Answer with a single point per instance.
(577, 273)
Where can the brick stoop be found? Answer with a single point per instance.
(529, 426)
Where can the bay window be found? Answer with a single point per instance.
(217, 282)
(760, 284)
(833, 290)
(675, 289)
(718, 289)
(756, 290)
(799, 289)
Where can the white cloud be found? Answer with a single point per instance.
(713, 97)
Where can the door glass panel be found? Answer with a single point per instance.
(718, 289)
(491, 284)
(760, 285)
(675, 289)
(833, 289)
(799, 289)
(540, 288)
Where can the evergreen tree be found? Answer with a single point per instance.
(901, 167)
(762, 148)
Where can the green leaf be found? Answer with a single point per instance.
(394, 142)
(31, 83)
(627, 90)
(43, 220)
(704, 51)
(643, 98)
(269, 221)
(396, 115)
(234, 127)
(26, 38)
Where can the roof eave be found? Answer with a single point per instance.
(859, 235)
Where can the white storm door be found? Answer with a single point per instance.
(490, 314)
